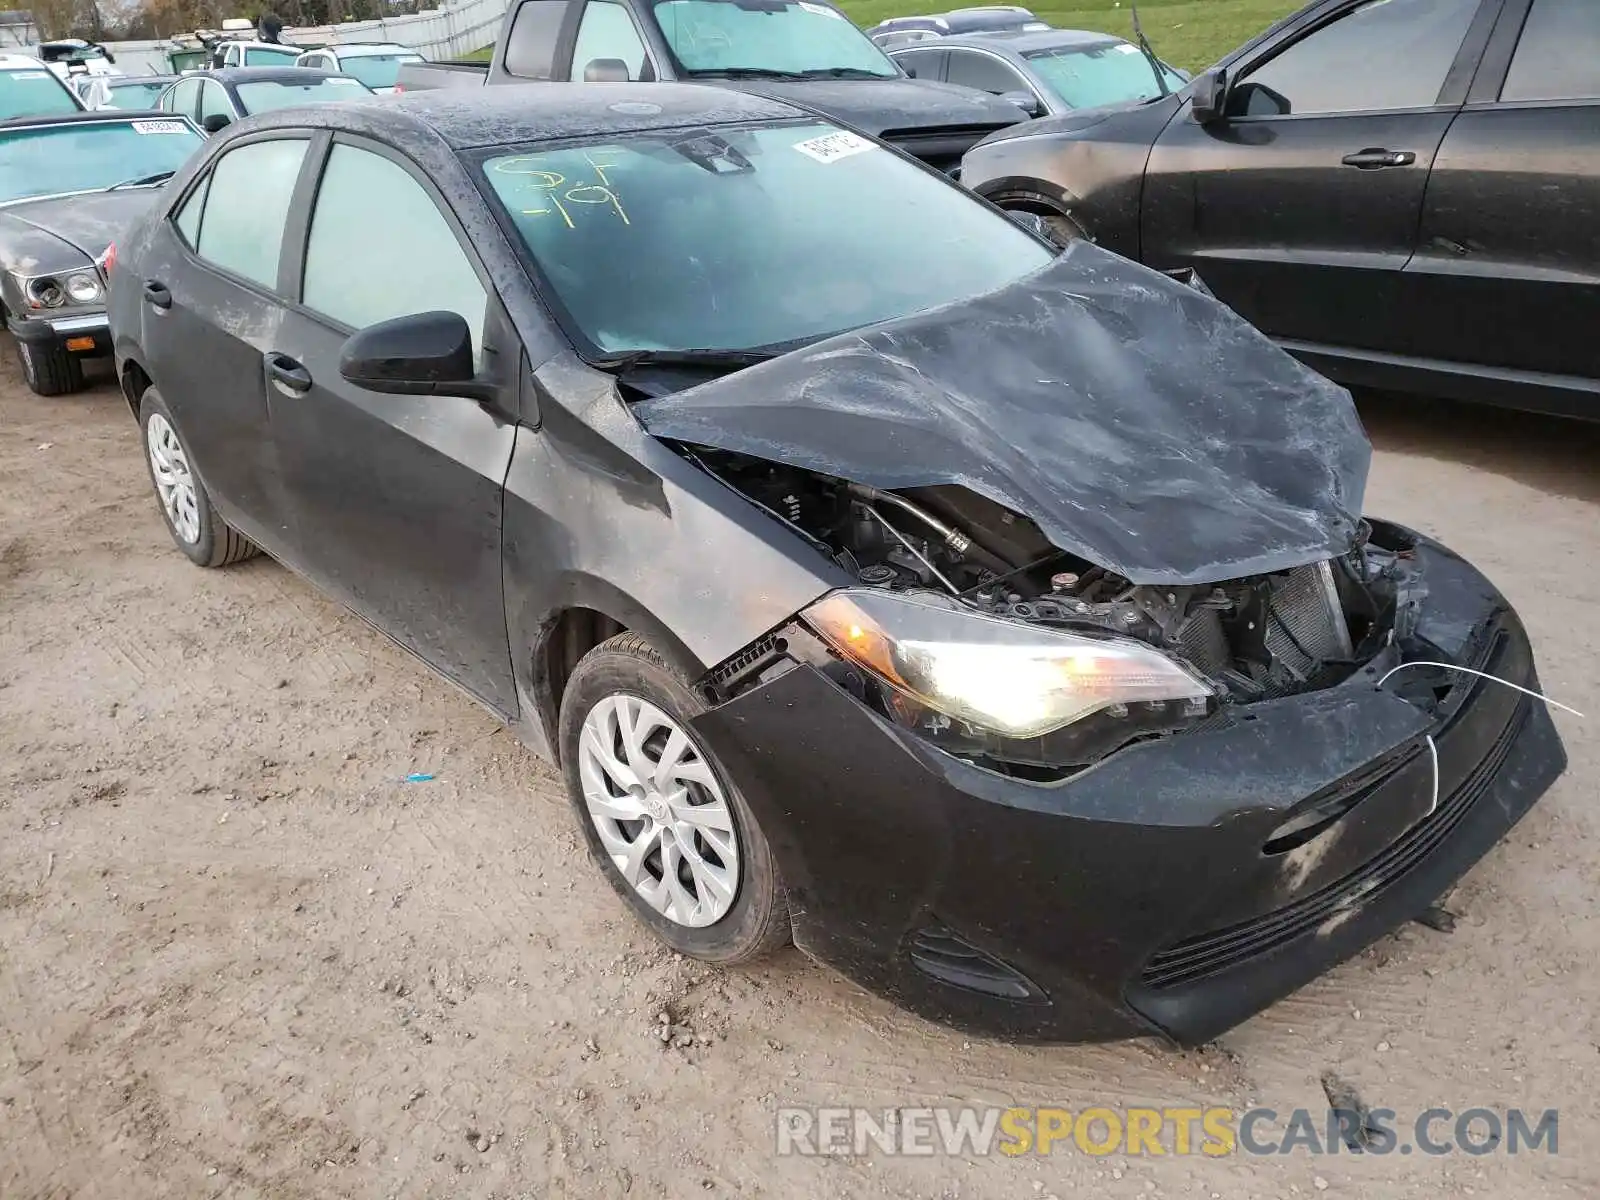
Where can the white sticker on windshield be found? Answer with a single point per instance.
(1127, 48)
(822, 10)
(832, 146)
(33, 74)
(343, 82)
(159, 127)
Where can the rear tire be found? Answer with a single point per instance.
(694, 864)
(49, 369)
(196, 529)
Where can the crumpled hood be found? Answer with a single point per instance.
(879, 105)
(89, 222)
(1141, 424)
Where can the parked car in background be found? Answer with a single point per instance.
(1049, 72)
(72, 57)
(376, 64)
(28, 89)
(243, 53)
(802, 50)
(1007, 629)
(215, 99)
(69, 185)
(134, 92)
(1403, 194)
(903, 31)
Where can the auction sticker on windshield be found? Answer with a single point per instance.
(821, 10)
(160, 127)
(832, 146)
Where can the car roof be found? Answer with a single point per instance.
(21, 62)
(285, 74)
(1021, 42)
(467, 119)
(117, 81)
(357, 49)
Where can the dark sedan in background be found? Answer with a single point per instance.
(218, 98)
(68, 186)
(1403, 193)
(1009, 631)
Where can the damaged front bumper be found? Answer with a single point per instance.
(88, 334)
(1177, 887)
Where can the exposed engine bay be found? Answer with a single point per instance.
(1254, 638)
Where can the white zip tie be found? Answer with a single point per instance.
(1516, 687)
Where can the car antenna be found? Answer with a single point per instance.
(1150, 54)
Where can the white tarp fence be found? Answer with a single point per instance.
(449, 31)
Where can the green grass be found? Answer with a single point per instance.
(1186, 33)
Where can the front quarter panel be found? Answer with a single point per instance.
(1088, 164)
(602, 516)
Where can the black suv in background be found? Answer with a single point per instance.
(1403, 193)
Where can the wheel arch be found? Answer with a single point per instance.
(133, 379)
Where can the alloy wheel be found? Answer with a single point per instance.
(660, 811)
(175, 484)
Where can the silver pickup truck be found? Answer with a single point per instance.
(803, 51)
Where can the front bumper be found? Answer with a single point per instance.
(1138, 897)
(88, 334)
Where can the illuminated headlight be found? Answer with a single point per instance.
(83, 288)
(1019, 681)
(46, 292)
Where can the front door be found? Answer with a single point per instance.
(397, 498)
(210, 311)
(1300, 207)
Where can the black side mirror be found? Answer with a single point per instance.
(606, 70)
(215, 122)
(1026, 101)
(422, 355)
(1209, 96)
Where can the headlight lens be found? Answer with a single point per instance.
(83, 288)
(1016, 680)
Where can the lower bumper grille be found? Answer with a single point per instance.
(1218, 951)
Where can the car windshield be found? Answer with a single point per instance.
(1086, 76)
(266, 95)
(32, 93)
(261, 56)
(52, 160)
(781, 37)
(748, 237)
(139, 95)
(376, 70)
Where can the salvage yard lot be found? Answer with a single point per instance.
(240, 955)
(1186, 33)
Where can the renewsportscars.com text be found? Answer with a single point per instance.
(1211, 1132)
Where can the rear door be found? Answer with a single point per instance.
(1507, 270)
(397, 498)
(1300, 208)
(211, 310)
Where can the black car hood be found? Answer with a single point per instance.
(1141, 424)
(881, 105)
(89, 222)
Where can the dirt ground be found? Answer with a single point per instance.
(240, 956)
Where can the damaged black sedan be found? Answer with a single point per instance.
(1003, 627)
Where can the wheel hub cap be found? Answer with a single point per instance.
(661, 813)
(169, 467)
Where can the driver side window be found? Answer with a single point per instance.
(1378, 56)
(214, 102)
(606, 31)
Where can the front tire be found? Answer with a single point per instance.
(49, 369)
(197, 530)
(669, 830)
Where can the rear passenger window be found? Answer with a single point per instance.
(247, 206)
(531, 44)
(369, 262)
(1558, 57)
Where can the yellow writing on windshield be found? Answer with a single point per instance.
(553, 192)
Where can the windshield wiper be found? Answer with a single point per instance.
(745, 73)
(684, 358)
(1150, 55)
(842, 73)
(143, 180)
